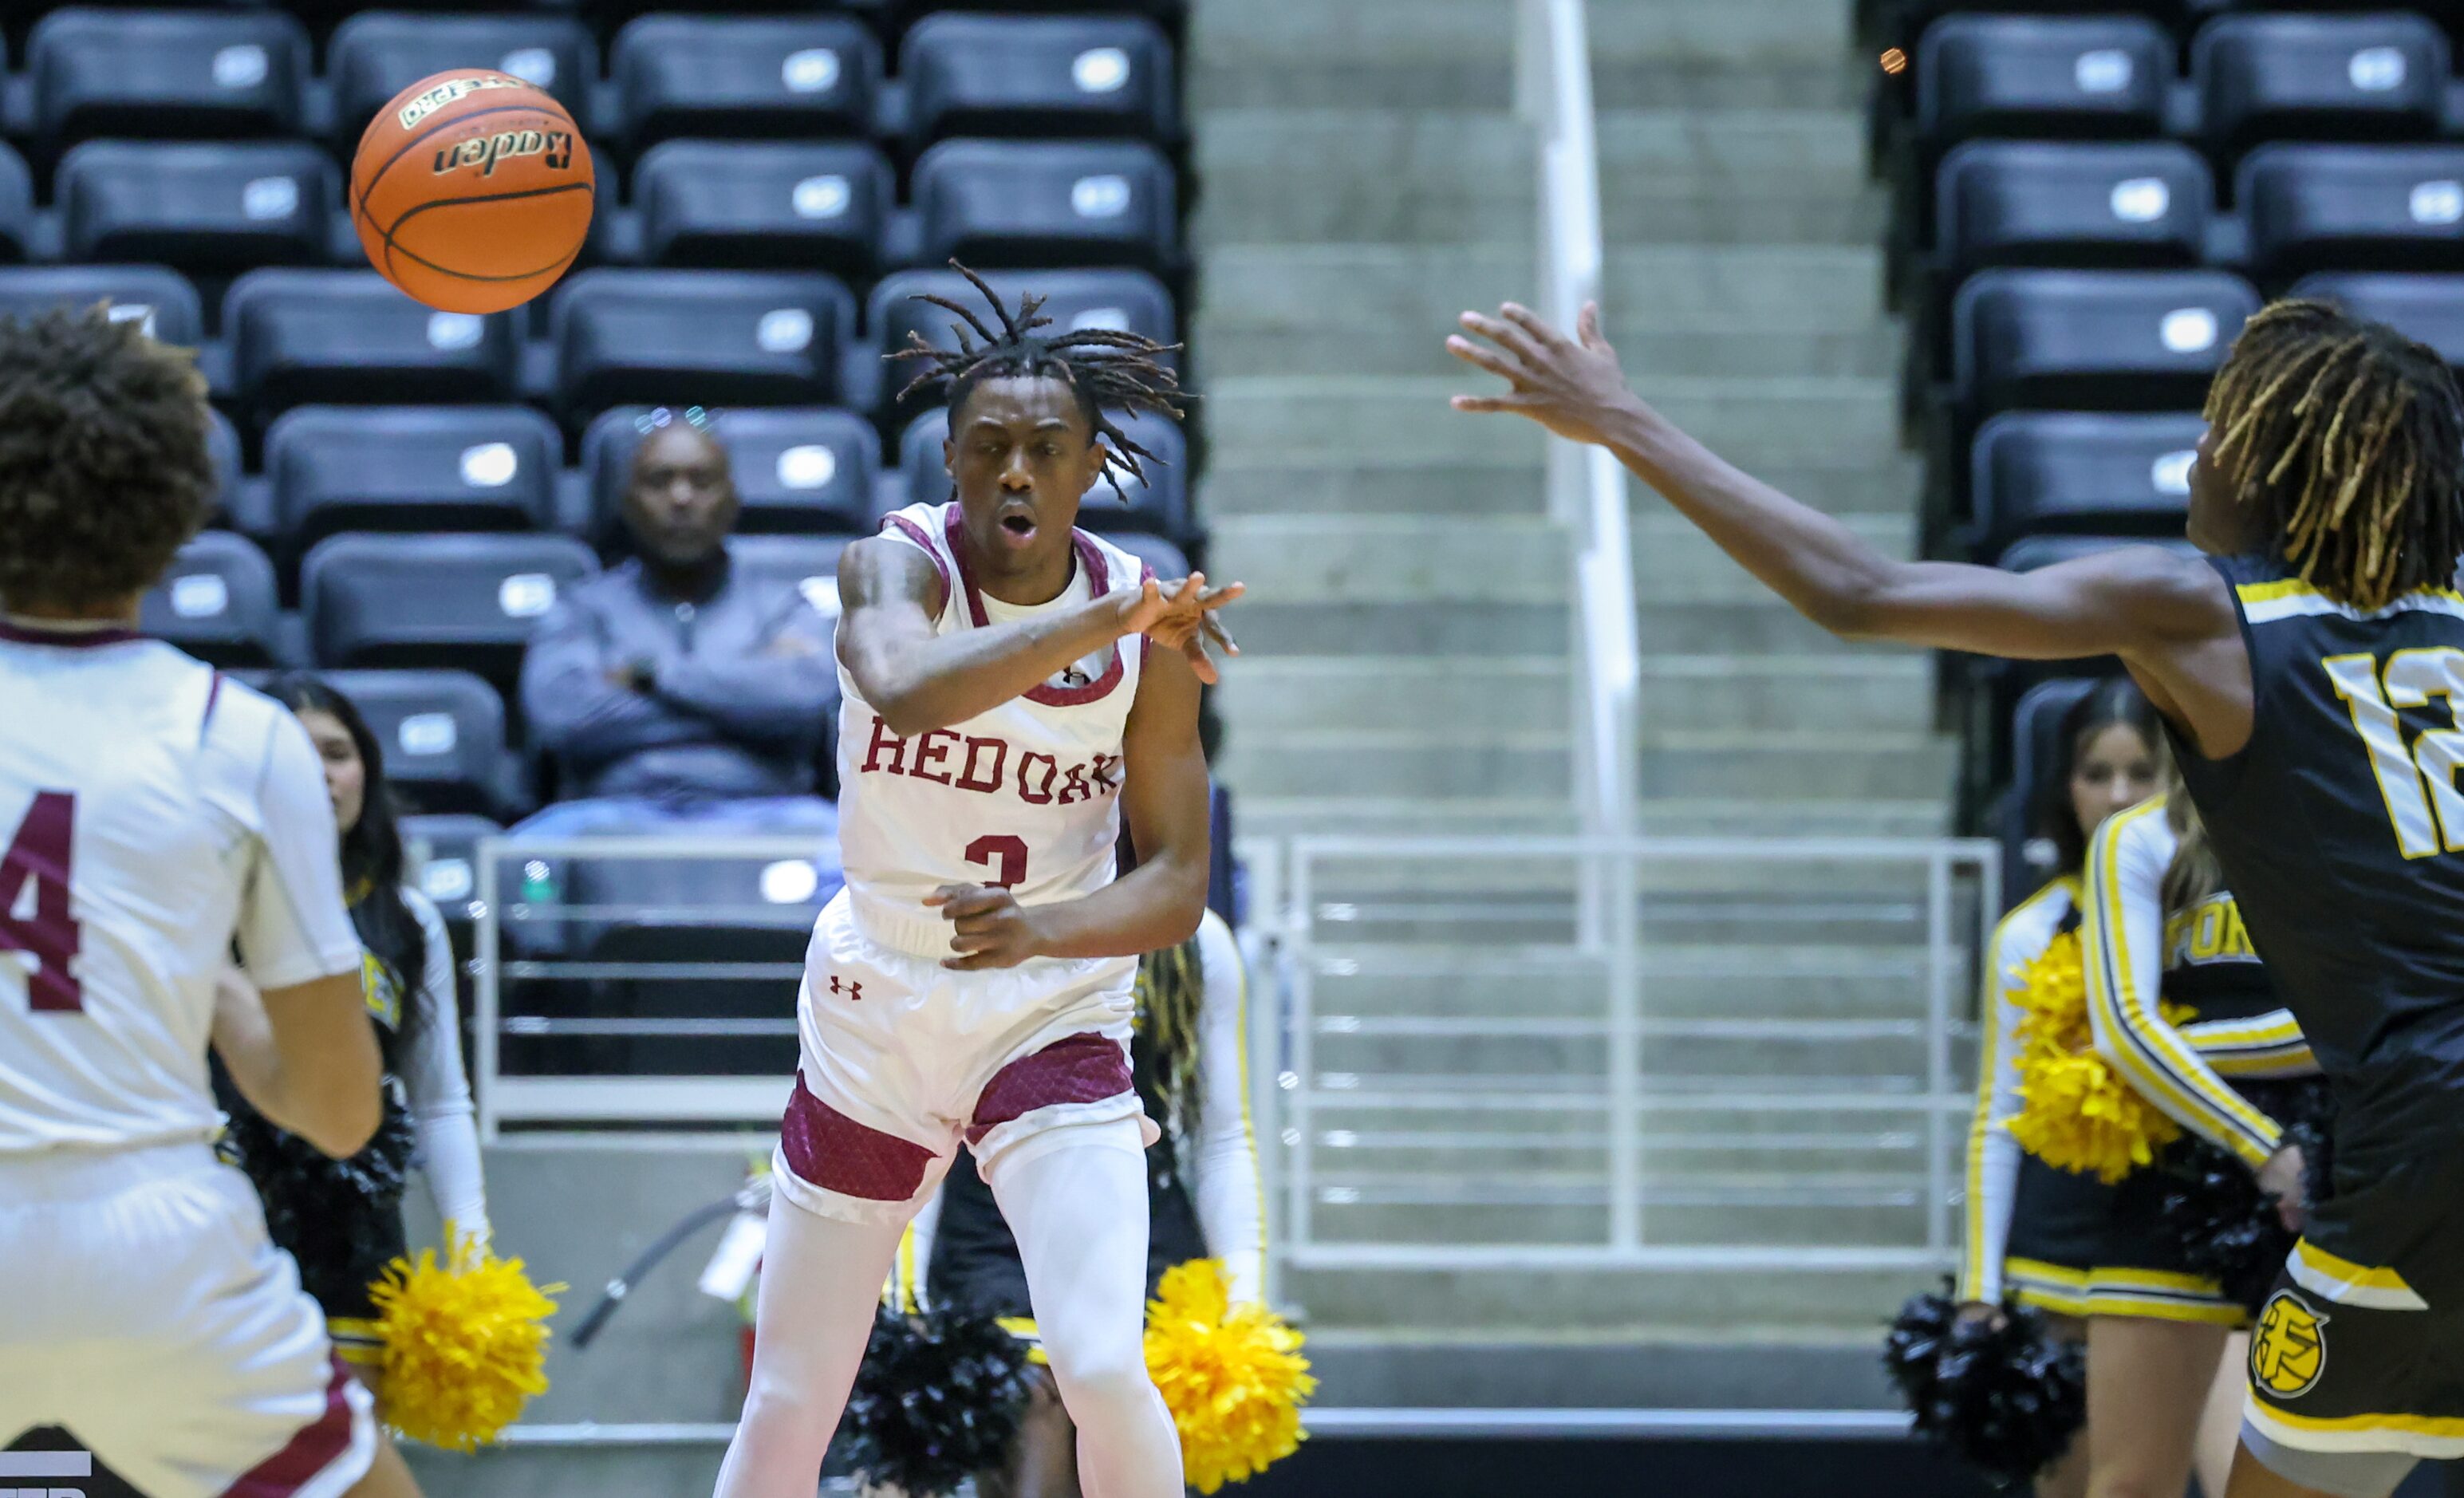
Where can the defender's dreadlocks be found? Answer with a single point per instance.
(1104, 368)
(2349, 437)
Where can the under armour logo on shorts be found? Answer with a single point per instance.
(854, 991)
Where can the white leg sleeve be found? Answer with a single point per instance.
(1076, 1200)
(821, 1279)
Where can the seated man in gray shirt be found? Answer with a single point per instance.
(673, 692)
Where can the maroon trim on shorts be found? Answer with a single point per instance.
(1084, 1068)
(1099, 580)
(317, 1447)
(213, 694)
(924, 543)
(21, 633)
(835, 1153)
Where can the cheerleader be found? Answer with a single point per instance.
(2106, 763)
(344, 1224)
(1188, 1063)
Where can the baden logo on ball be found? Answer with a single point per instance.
(472, 191)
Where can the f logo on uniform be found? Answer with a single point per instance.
(2288, 1349)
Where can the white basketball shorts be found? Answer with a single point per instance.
(145, 1309)
(904, 1058)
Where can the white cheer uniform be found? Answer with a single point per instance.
(902, 1058)
(150, 812)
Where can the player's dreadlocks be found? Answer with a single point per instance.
(2349, 437)
(1106, 369)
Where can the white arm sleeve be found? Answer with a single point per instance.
(1223, 1167)
(293, 927)
(1993, 1154)
(440, 1093)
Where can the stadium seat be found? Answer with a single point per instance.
(2043, 203)
(1037, 76)
(798, 469)
(459, 601)
(219, 601)
(326, 336)
(2427, 308)
(2034, 724)
(16, 206)
(410, 467)
(214, 73)
(2037, 473)
(206, 208)
(735, 76)
(1126, 300)
(1158, 505)
(441, 856)
(2037, 552)
(376, 55)
(2093, 340)
(807, 563)
(706, 338)
(234, 505)
(1168, 559)
(163, 299)
(2360, 208)
(443, 735)
(2042, 76)
(2373, 76)
(1024, 202)
(756, 206)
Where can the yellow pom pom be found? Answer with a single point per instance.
(1233, 1376)
(465, 1343)
(2075, 1113)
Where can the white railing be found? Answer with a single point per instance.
(1494, 1106)
(1587, 492)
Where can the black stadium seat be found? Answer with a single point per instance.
(798, 469)
(301, 337)
(1037, 76)
(2093, 340)
(209, 208)
(735, 76)
(202, 73)
(410, 467)
(377, 53)
(759, 205)
(16, 206)
(217, 601)
(443, 735)
(2042, 77)
(1167, 560)
(2378, 76)
(1025, 203)
(441, 856)
(162, 299)
(434, 601)
(1158, 505)
(2360, 208)
(1126, 300)
(2027, 863)
(707, 337)
(2045, 203)
(2037, 473)
(2427, 308)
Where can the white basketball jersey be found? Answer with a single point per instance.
(1025, 796)
(150, 811)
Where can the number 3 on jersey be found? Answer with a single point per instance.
(35, 916)
(1004, 855)
(2426, 820)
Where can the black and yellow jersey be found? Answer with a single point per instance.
(2341, 827)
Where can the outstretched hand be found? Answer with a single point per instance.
(1182, 616)
(1571, 385)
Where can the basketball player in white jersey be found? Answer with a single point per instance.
(150, 813)
(1002, 709)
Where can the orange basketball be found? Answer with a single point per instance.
(472, 190)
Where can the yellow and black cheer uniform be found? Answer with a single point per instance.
(2082, 1247)
(2341, 825)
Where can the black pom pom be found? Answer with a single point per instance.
(1996, 1391)
(342, 1215)
(2228, 1229)
(938, 1399)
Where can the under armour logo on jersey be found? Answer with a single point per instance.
(1074, 676)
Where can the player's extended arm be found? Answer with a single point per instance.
(1153, 906)
(918, 681)
(2153, 608)
(305, 1056)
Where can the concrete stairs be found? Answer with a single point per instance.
(1407, 666)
